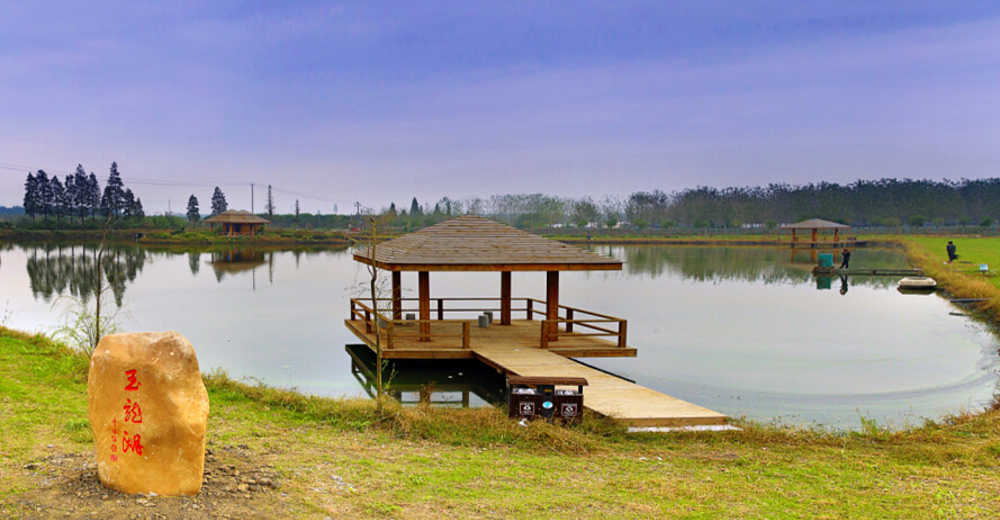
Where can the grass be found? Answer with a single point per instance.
(361, 459)
(961, 279)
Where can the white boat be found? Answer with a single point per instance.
(913, 283)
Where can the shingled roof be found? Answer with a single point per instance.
(815, 223)
(474, 243)
(237, 216)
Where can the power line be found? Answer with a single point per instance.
(305, 196)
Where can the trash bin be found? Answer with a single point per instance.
(825, 259)
(537, 397)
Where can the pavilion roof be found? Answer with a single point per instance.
(236, 216)
(815, 223)
(474, 243)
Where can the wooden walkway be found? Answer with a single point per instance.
(605, 394)
(858, 271)
(515, 350)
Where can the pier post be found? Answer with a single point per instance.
(424, 282)
(397, 295)
(552, 303)
(505, 298)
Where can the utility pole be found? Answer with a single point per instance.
(358, 205)
(251, 198)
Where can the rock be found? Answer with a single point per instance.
(148, 409)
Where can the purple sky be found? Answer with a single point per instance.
(333, 103)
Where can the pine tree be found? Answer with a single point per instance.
(81, 193)
(93, 195)
(31, 196)
(218, 202)
(269, 207)
(128, 204)
(139, 213)
(58, 197)
(44, 193)
(392, 209)
(114, 196)
(192, 211)
(70, 200)
(415, 208)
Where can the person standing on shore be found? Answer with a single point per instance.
(846, 264)
(951, 252)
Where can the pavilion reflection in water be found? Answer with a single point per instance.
(455, 383)
(236, 261)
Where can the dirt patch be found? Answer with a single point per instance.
(238, 484)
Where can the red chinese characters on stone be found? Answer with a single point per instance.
(134, 444)
(133, 381)
(132, 412)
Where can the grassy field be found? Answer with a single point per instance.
(355, 459)
(961, 279)
(348, 458)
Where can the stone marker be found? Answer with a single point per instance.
(149, 410)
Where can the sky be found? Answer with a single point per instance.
(333, 103)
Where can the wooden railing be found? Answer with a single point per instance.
(391, 329)
(571, 319)
(602, 324)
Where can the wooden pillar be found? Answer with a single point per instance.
(793, 235)
(552, 302)
(397, 295)
(836, 235)
(815, 235)
(424, 281)
(505, 298)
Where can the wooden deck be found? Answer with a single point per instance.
(447, 340)
(514, 350)
(605, 394)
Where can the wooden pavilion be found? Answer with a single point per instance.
(238, 223)
(526, 347)
(816, 225)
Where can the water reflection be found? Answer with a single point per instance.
(461, 383)
(748, 264)
(235, 261)
(57, 269)
(757, 339)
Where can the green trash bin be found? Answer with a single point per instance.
(825, 260)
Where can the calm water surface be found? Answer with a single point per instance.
(744, 331)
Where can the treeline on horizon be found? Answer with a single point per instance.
(884, 202)
(863, 203)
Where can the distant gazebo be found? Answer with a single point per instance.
(238, 223)
(815, 225)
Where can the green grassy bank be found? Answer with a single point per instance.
(348, 458)
(963, 278)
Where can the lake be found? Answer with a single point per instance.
(740, 330)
